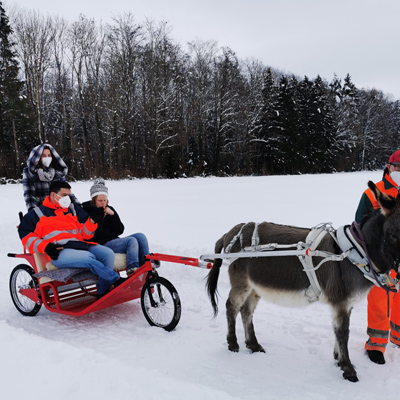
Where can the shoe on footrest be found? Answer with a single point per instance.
(155, 263)
(131, 271)
(99, 296)
(376, 356)
(120, 281)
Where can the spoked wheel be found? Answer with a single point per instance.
(22, 278)
(160, 303)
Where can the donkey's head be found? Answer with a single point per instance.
(386, 227)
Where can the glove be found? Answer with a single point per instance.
(97, 215)
(52, 251)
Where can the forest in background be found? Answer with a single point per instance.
(125, 100)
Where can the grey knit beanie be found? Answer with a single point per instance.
(98, 188)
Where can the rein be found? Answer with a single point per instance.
(360, 238)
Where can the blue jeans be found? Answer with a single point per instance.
(135, 246)
(99, 259)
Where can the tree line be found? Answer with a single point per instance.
(125, 99)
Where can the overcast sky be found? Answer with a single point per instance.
(304, 37)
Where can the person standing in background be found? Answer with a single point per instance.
(43, 167)
(383, 308)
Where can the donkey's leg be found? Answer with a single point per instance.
(236, 299)
(341, 322)
(247, 312)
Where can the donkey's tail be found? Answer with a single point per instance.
(212, 278)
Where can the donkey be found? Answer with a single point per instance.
(283, 281)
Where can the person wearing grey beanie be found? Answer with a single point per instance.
(98, 188)
(111, 227)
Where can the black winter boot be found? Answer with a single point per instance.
(99, 296)
(376, 356)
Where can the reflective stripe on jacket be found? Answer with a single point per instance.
(51, 223)
(378, 307)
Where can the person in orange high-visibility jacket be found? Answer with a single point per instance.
(383, 308)
(59, 229)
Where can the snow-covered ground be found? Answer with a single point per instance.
(114, 353)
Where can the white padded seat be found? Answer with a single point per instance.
(120, 262)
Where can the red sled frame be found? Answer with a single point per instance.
(79, 298)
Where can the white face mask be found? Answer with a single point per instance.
(46, 161)
(64, 202)
(395, 175)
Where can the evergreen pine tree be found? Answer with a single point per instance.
(323, 136)
(264, 145)
(283, 129)
(305, 126)
(345, 106)
(14, 120)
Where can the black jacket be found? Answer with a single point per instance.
(109, 228)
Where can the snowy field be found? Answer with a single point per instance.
(115, 354)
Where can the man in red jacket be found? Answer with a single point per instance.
(59, 229)
(383, 308)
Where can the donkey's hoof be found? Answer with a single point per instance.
(233, 344)
(349, 372)
(255, 348)
(351, 378)
(234, 348)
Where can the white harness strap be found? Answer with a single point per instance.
(255, 240)
(234, 240)
(305, 251)
(312, 242)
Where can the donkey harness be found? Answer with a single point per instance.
(346, 237)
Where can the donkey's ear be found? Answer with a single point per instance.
(386, 202)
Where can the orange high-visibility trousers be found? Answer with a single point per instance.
(380, 326)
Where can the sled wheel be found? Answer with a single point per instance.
(160, 303)
(22, 278)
